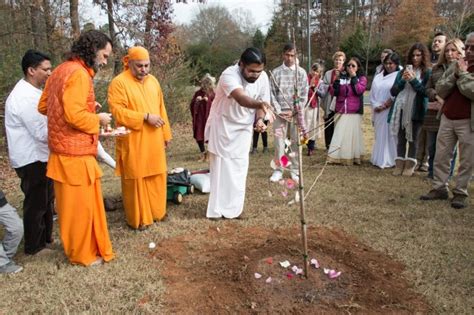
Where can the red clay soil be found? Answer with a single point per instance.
(213, 272)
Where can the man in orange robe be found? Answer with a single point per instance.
(73, 127)
(136, 101)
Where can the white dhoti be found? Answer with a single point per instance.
(228, 182)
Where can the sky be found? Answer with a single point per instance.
(261, 10)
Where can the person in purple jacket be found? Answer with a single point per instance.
(347, 144)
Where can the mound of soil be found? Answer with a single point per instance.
(214, 272)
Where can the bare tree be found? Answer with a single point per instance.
(74, 16)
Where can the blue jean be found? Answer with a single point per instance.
(13, 233)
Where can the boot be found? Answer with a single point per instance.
(399, 166)
(410, 165)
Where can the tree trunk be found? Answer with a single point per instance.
(48, 20)
(148, 24)
(74, 15)
(35, 13)
(113, 36)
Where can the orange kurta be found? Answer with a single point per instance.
(141, 158)
(82, 221)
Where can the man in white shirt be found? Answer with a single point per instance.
(242, 90)
(283, 82)
(27, 137)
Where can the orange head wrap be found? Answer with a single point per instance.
(135, 53)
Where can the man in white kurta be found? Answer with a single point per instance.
(242, 89)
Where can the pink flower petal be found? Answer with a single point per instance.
(294, 269)
(257, 275)
(284, 161)
(334, 274)
(315, 263)
(326, 270)
(290, 184)
(269, 260)
(289, 275)
(269, 280)
(284, 193)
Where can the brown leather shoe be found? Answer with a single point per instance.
(459, 201)
(436, 194)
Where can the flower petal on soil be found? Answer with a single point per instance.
(269, 279)
(315, 263)
(269, 260)
(296, 270)
(281, 182)
(292, 154)
(333, 274)
(152, 245)
(289, 275)
(285, 264)
(257, 275)
(284, 193)
(326, 270)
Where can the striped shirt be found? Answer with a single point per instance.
(283, 87)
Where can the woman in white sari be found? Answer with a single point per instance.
(385, 146)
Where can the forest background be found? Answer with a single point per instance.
(214, 37)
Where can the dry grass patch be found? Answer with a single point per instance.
(431, 239)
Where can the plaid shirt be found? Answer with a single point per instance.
(283, 88)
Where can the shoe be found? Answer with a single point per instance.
(253, 151)
(11, 267)
(436, 194)
(45, 252)
(99, 261)
(310, 152)
(459, 201)
(409, 169)
(276, 176)
(265, 150)
(423, 167)
(295, 177)
(399, 166)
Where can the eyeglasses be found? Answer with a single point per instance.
(352, 65)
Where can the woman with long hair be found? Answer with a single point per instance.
(200, 107)
(347, 144)
(338, 58)
(407, 113)
(385, 145)
(452, 51)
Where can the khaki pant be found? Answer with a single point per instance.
(279, 141)
(450, 132)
